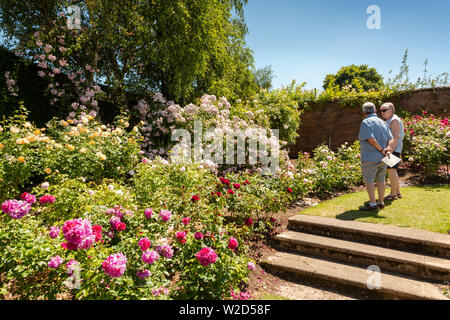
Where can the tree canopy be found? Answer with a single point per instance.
(354, 76)
(181, 48)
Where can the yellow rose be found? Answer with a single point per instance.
(21, 159)
(2, 146)
(64, 123)
(48, 170)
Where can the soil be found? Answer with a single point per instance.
(263, 285)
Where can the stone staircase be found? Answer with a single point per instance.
(404, 263)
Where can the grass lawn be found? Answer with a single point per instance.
(422, 207)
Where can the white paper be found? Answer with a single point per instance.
(391, 161)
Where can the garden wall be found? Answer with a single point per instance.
(335, 124)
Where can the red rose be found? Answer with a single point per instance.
(248, 222)
(236, 185)
(230, 191)
(195, 198)
(289, 190)
(121, 226)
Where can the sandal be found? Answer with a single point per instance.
(380, 205)
(368, 207)
(390, 198)
(399, 196)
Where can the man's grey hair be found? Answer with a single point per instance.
(369, 108)
(389, 105)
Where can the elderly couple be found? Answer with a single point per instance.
(378, 139)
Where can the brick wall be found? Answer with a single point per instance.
(335, 124)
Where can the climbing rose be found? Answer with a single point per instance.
(16, 208)
(115, 265)
(206, 256)
(150, 256)
(55, 262)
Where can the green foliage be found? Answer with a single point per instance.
(353, 76)
(197, 46)
(88, 150)
(329, 171)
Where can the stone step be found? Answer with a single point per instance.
(416, 241)
(389, 286)
(416, 265)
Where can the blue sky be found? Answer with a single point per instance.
(305, 40)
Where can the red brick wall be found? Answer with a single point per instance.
(335, 124)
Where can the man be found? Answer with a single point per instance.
(396, 126)
(375, 139)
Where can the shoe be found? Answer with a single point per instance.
(368, 207)
(390, 198)
(381, 205)
(399, 196)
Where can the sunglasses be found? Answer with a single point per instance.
(384, 110)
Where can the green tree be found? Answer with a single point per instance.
(359, 77)
(263, 77)
(182, 48)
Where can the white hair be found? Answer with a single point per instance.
(369, 107)
(389, 105)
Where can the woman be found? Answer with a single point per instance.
(396, 126)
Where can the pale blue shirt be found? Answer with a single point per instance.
(373, 127)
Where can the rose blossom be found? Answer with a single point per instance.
(78, 234)
(165, 215)
(115, 265)
(206, 256)
(181, 236)
(55, 262)
(198, 235)
(232, 243)
(150, 256)
(144, 243)
(54, 232)
(165, 250)
(148, 213)
(251, 266)
(186, 220)
(16, 208)
(143, 273)
(47, 199)
(248, 222)
(28, 197)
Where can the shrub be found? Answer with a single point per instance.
(427, 141)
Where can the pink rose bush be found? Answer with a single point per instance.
(16, 209)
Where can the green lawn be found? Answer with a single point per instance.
(425, 208)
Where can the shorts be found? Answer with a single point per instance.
(397, 154)
(373, 171)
